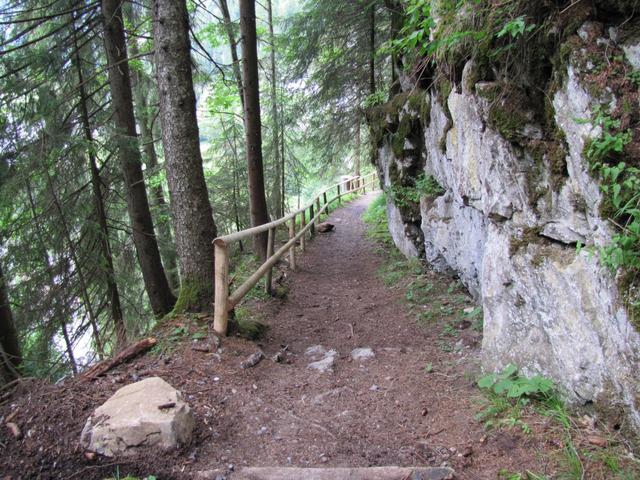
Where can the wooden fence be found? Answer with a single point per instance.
(225, 302)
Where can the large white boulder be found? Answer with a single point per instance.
(131, 418)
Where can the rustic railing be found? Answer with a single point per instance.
(225, 302)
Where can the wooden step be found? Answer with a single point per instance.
(369, 473)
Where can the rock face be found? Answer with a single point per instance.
(507, 223)
(131, 418)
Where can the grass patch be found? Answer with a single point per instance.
(432, 298)
(512, 398)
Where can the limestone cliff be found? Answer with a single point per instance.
(517, 197)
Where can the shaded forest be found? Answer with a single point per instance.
(133, 133)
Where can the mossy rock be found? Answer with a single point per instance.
(529, 235)
(509, 118)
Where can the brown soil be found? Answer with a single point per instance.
(278, 414)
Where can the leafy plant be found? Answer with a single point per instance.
(512, 385)
(508, 393)
(428, 185)
(515, 28)
(376, 98)
(620, 184)
(449, 330)
(634, 76)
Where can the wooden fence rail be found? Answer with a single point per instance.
(225, 302)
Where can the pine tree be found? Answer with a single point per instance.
(253, 126)
(192, 215)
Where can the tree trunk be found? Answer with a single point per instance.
(282, 161)
(228, 26)
(193, 223)
(10, 354)
(155, 280)
(145, 120)
(96, 185)
(167, 244)
(232, 142)
(357, 150)
(372, 48)
(253, 130)
(396, 19)
(274, 118)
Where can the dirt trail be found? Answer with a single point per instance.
(386, 411)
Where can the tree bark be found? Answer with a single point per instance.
(282, 161)
(167, 245)
(394, 7)
(232, 142)
(10, 354)
(372, 48)
(253, 128)
(193, 223)
(145, 120)
(274, 119)
(155, 280)
(357, 149)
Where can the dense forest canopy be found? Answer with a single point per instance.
(112, 188)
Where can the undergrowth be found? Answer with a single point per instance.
(407, 196)
(513, 400)
(432, 301)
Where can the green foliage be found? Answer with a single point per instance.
(117, 476)
(374, 99)
(509, 393)
(620, 185)
(634, 76)
(506, 475)
(611, 140)
(513, 386)
(515, 27)
(408, 196)
(376, 218)
(428, 186)
(464, 28)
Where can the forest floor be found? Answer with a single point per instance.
(413, 404)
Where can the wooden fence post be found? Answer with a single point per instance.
(339, 199)
(292, 250)
(303, 223)
(318, 206)
(267, 278)
(313, 223)
(326, 212)
(221, 296)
